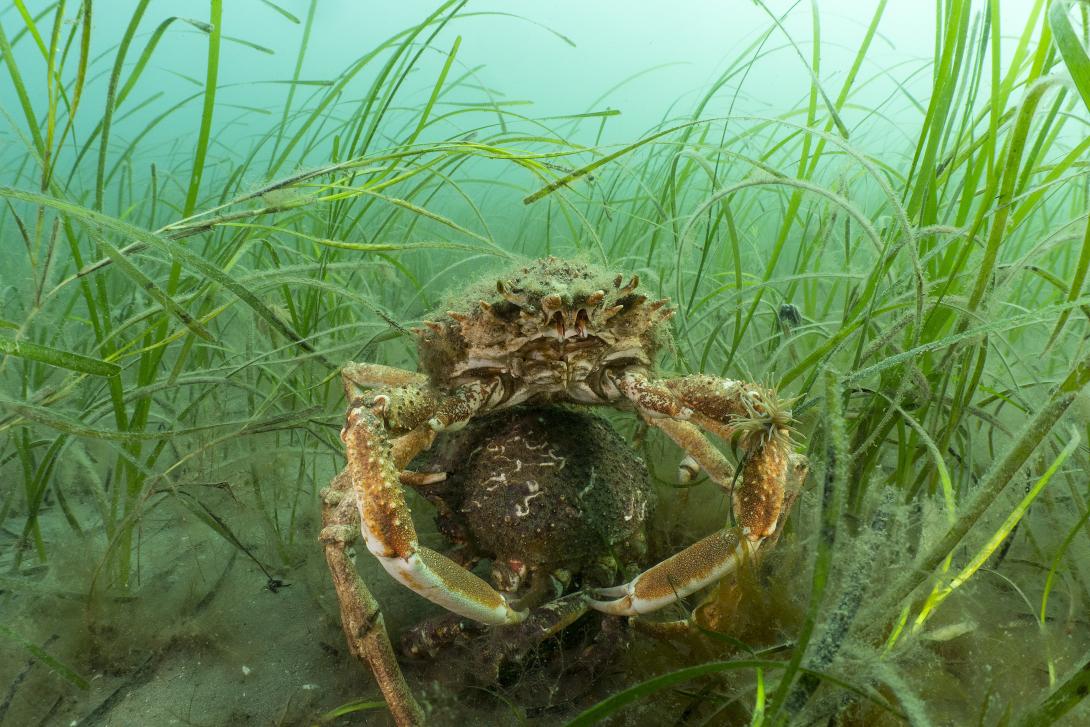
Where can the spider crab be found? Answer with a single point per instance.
(551, 332)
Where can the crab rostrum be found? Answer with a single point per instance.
(551, 332)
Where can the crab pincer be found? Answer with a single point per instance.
(387, 527)
(722, 407)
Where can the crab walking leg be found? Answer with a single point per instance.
(360, 616)
(654, 399)
(519, 640)
(543, 622)
(726, 406)
(387, 527)
(722, 407)
(407, 446)
(420, 480)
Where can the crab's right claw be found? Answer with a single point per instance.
(701, 564)
(687, 470)
(387, 526)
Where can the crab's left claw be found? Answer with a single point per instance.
(681, 407)
(704, 562)
(699, 565)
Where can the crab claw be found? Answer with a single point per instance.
(687, 469)
(701, 564)
(387, 527)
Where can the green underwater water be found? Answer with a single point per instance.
(881, 209)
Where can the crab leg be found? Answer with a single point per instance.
(799, 467)
(407, 446)
(543, 623)
(699, 452)
(386, 521)
(360, 616)
(722, 407)
(762, 421)
(360, 377)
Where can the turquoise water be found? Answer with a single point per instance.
(871, 212)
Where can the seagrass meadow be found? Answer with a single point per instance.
(880, 209)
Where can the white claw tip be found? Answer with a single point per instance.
(687, 470)
(613, 591)
(618, 607)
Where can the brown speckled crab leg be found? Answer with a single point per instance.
(546, 618)
(360, 377)
(798, 469)
(723, 407)
(360, 615)
(385, 519)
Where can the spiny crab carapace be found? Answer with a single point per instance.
(551, 332)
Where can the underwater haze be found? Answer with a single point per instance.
(870, 217)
